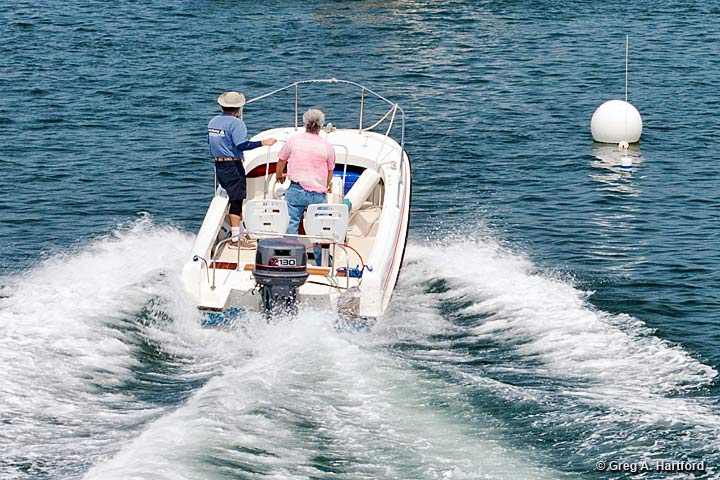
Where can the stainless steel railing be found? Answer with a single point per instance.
(317, 239)
(394, 107)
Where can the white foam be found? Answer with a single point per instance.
(308, 392)
(551, 320)
(63, 344)
(602, 360)
(286, 394)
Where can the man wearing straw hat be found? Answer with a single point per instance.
(227, 139)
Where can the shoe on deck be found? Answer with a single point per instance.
(245, 243)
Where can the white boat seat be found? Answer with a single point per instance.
(327, 220)
(266, 216)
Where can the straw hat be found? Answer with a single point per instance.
(231, 99)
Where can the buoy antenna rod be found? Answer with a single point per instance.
(627, 49)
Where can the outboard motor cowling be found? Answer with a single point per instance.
(280, 268)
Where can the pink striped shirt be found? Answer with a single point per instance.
(309, 158)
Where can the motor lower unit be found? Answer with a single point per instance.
(280, 268)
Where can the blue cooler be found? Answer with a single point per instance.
(350, 179)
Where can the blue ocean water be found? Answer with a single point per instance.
(553, 310)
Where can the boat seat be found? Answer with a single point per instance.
(327, 220)
(364, 222)
(269, 216)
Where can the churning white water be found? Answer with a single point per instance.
(606, 377)
(108, 375)
(64, 350)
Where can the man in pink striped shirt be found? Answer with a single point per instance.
(310, 163)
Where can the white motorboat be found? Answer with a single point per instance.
(361, 231)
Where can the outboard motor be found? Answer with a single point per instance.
(280, 268)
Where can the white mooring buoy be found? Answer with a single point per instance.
(617, 121)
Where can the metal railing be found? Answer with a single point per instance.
(313, 238)
(394, 107)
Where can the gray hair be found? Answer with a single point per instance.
(313, 120)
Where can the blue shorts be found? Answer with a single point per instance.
(231, 176)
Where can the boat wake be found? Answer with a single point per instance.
(69, 338)
(482, 368)
(526, 341)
